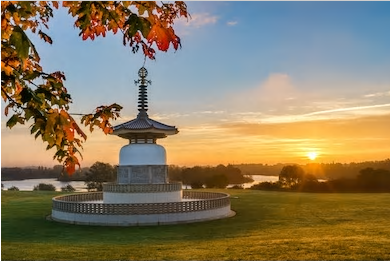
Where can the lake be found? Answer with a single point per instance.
(28, 184)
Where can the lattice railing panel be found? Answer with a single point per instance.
(197, 201)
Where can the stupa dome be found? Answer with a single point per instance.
(142, 154)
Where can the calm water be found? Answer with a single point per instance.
(28, 184)
(260, 178)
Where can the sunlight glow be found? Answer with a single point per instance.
(312, 155)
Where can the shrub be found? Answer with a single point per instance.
(46, 187)
(13, 188)
(267, 186)
(68, 188)
(196, 185)
(94, 186)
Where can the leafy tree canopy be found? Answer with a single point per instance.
(41, 97)
(99, 173)
(291, 175)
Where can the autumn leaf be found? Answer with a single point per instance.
(70, 164)
(69, 133)
(14, 120)
(78, 130)
(59, 137)
(45, 37)
(8, 70)
(55, 4)
(159, 35)
(21, 42)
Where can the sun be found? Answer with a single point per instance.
(312, 155)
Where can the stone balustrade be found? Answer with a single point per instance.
(82, 203)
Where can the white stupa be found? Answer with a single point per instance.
(142, 194)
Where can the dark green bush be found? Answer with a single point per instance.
(46, 187)
(68, 188)
(13, 188)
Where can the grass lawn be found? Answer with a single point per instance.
(268, 225)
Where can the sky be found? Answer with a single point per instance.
(254, 82)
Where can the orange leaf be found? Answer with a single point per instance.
(78, 130)
(159, 35)
(100, 30)
(71, 162)
(175, 40)
(70, 168)
(107, 130)
(69, 133)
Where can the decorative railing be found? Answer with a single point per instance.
(75, 203)
(141, 188)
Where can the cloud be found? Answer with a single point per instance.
(280, 98)
(278, 87)
(377, 94)
(361, 127)
(318, 115)
(357, 108)
(211, 112)
(232, 23)
(198, 20)
(274, 93)
(184, 26)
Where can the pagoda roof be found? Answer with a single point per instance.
(143, 126)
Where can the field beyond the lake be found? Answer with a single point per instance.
(267, 226)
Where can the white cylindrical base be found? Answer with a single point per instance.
(142, 154)
(155, 197)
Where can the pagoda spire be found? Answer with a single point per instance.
(143, 93)
(143, 129)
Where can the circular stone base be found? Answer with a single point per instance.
(139, 220)
(196, 207)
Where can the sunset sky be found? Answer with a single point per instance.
(254, 82)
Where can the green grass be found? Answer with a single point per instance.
(268, 225)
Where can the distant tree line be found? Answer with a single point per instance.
(41, 172)
(328, 171)
(30, 173)
(294, 178)
(209, 177)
